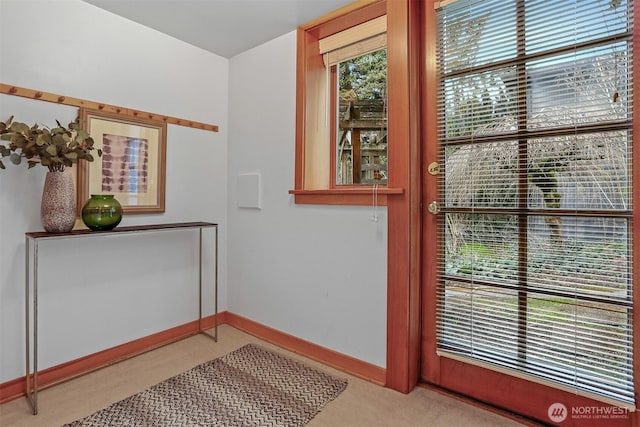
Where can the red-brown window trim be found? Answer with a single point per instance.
(360, 195)
(310, 70)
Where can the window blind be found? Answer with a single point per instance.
(356, 41)
(535, 143)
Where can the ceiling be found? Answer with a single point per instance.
(223, 27)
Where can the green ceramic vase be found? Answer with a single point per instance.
(101, 212)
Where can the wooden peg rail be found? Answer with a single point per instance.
(77, 102)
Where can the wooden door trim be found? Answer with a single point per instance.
(404, 252)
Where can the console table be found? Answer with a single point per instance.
(31, 281)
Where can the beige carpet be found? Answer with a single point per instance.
(361, 404)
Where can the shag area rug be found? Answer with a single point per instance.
(251, 386)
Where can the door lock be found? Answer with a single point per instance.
(433, 168)
(434, 207)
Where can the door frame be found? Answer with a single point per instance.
(404, 259)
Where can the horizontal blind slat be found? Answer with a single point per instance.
(534, 113)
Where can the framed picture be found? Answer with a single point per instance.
(132, 166)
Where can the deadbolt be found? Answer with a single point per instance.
(434, 207)
(433, 168)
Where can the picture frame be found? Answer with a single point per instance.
(133, 162)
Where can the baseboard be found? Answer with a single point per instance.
(342, 362)
(17, 388)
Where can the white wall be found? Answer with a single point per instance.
(316, 272)
(74, 49)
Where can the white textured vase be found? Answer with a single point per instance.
(58, 206)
